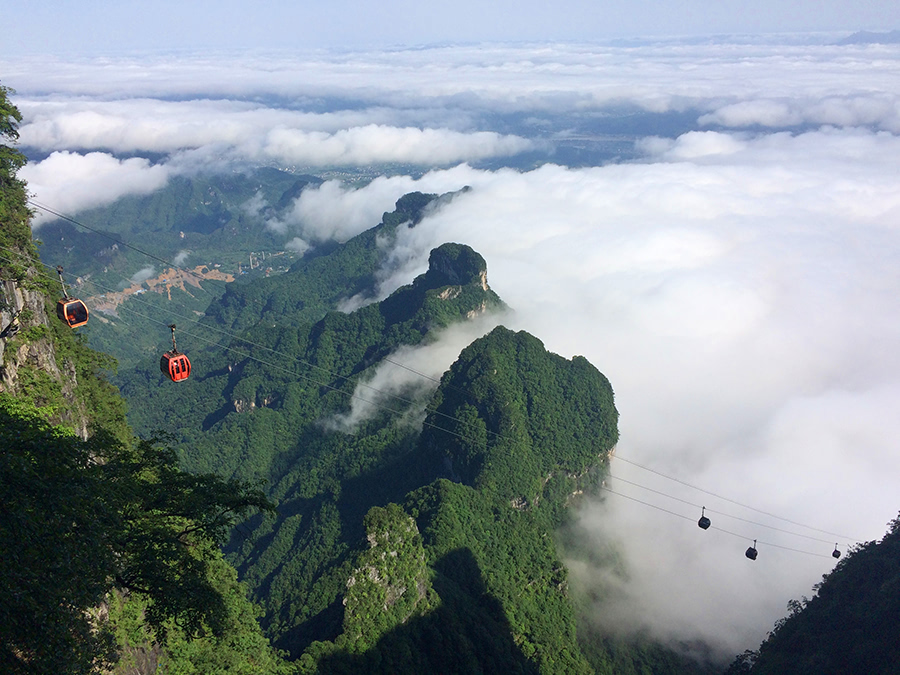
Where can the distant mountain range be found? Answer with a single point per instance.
(869, 38)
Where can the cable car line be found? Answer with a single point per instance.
(463, 437)
(243, 354)
(721, 513)
(734, 534)
(450, 417)
(732, 501)
(194, 274)
(233, 336)
(119, 242)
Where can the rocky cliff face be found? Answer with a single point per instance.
(30, 364)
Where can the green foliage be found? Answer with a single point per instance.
(15, 234)
(525, 418)
(209, 216)
(81, 517)
(239, 648)
(851, 625)
(390, 581)
(637, 656)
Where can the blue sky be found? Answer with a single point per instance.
(103, 26)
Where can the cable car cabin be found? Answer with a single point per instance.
(704, 522)
(751, 552)
(175, 365)
(72, 312)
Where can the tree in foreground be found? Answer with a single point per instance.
(79, 519)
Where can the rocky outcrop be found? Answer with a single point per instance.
(29, 361)
(458, 265)
(391, 582)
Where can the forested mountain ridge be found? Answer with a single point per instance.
(322, 278)
(851, 625)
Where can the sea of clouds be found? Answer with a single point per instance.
(737, 281)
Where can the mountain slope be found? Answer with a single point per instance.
(321, 279)
(496, 578)
(851, 625)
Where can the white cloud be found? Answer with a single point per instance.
(879, 110)
(693, 145)
(410, 374)
(334, 211)
(297, 245)
(255, 205)
(437, 105)
(246, 131)
(143, 274)
(376, 144)
(70, 182)
(764, 112)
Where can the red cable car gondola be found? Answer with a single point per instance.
(174, 364)
(70, 311)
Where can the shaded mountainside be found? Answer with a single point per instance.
(851, 625)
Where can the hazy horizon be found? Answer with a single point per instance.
(104, 27)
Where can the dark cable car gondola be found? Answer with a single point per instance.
(174, 364)
(704, 522)
(70, 311)
(835, 553)
(751, 552)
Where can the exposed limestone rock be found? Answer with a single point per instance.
(28, 355)
(391, 581)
